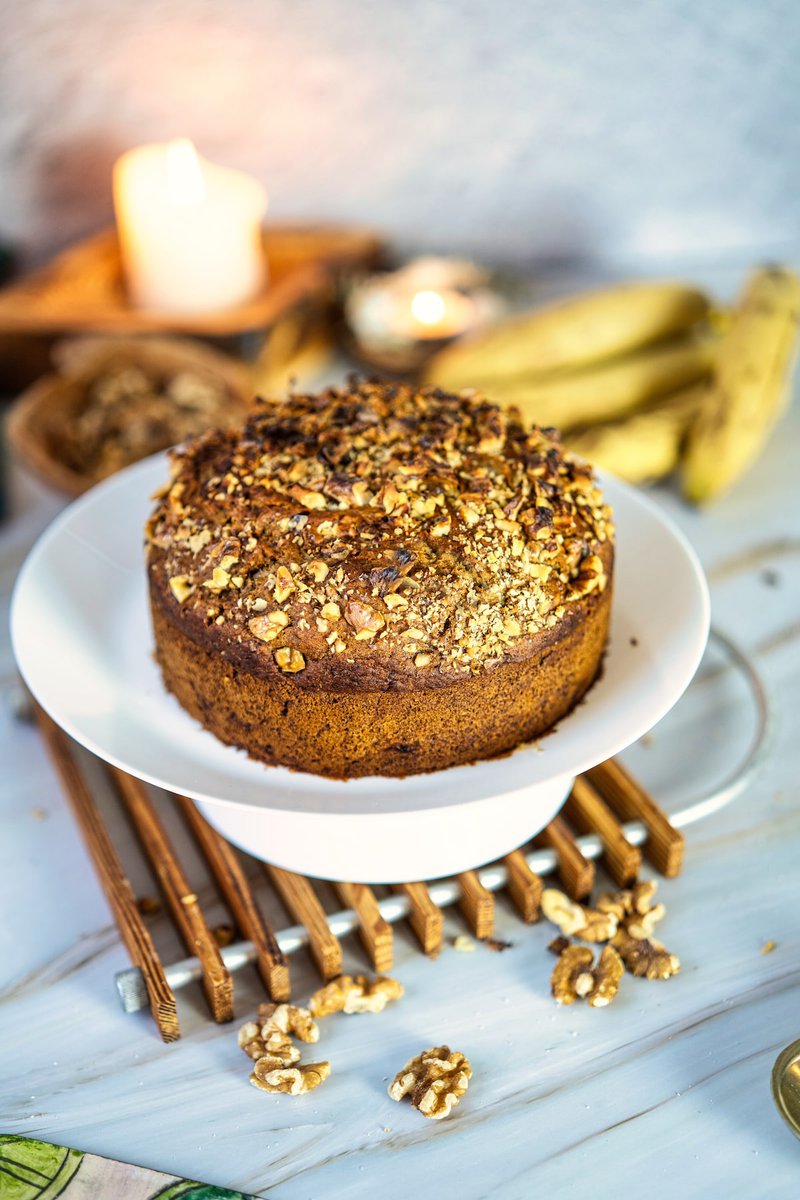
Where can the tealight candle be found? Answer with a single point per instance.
(189, 231)
(439, 314)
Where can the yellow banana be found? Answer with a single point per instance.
(750, 385)
(647, 444)
(571, 333)
(609, 389)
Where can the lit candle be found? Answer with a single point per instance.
(439, 314)
(189, 231)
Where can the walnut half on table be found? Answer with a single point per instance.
(435, 1080)
(577, 977)
(292, 1081)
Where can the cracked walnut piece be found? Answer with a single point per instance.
(634, 908)
(435, 1080)
(576, 920)
(645, 957)
(293, 1081)
(355, 994)
(288, 1018)
(260, 1042)
(576, 978)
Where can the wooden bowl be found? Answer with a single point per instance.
(37, 420)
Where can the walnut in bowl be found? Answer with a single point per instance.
(113, 401)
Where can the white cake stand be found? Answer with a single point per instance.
(82, 637)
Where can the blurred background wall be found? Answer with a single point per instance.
(619, 132)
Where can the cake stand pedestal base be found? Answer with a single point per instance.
(423, 843)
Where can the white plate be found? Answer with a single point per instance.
(81, 633)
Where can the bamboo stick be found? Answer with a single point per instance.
(178, 893)
(301, 901)
(112, 878)
(665, 844)
(525, 887)
(425, 917)
(587, 812)
(477, 904)
(225, 866)
(375, 932)
(576, 871)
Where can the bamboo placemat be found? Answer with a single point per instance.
(601, 801)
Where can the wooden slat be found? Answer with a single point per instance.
(112, 878)
(225, 866)
(587, 812)
(425, 917)
(178, 893)
(525, 887)
(576, 871)
(665, 844)
(301, 901)
(376, 933)
(477, 904)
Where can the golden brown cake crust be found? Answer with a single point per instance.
(379, 580)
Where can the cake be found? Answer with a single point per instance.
(379, 580)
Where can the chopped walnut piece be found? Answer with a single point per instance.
(220, 578)
(591, 575)
(634, 908)
(290, 1018)
(361, 617)
(290, 660)
(576, 977)
(395, 600)
(180, 587)
(575, 920)
(354, 994)
(645, 957)
(267, 626)
(558, 945)
(629, 900)
(284, 584)
(293, 1081)
(464, 943)
(331, 611)
(318, 570)
(435, 1080)
(307, 497)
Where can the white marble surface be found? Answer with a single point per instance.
(649, 133)
(665, 1093)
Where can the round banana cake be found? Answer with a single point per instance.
(379, 580)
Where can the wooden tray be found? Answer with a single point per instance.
(82, 289)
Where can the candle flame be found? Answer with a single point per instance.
(185, 183)
(428, 307)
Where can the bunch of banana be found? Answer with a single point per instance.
(644, 377)
(749, 389)
(594, 357)
(584, 329)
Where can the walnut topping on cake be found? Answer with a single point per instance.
(405, 528)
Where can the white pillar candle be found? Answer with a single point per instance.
(189, 231)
